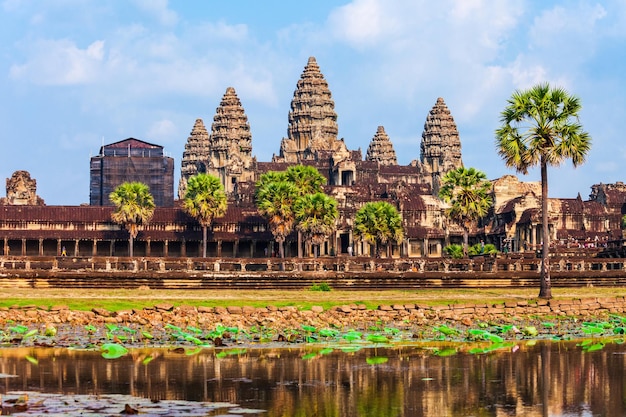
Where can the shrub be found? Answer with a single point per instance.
(323, 286)
(454, 251)
(489, 249)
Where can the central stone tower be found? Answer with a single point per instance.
(312, 120)
(440, 150)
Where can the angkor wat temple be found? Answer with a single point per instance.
(28, 227)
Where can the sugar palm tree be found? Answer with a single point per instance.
(541, 127)
(466, 190)
(134, 207)
(378, 223)
(316, 217)
(275, 200)
(205, 199)
(307, 180)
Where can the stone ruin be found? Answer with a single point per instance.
(21, 191)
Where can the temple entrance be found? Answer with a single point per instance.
(344, 242)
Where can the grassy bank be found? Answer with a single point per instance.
(115, 300)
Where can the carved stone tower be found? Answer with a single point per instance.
(195, 155)
(230, 143)
(21, 191)
(381, 149)
(440, 150)
(312, 119)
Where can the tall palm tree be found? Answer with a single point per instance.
(134, 207)
(540, 126)
(378, 223)
(307, 180)
(466, 190)
(205, 199)
(275, 202)
(316, 217)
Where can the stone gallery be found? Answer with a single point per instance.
(29, 227)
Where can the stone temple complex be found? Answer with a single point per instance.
(225, 151)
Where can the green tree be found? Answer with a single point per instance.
(307, 180)
(466, 190)
(275, 201)
(134, 207)
(378, 223)
(205, 200)
(316, 217)
(541, 127)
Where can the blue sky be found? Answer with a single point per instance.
(75, 73)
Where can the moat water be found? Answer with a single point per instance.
(541, 379)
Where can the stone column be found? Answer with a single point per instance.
(183, 248)
(94, 248)
(58, 246)
(76, 245)
(166, 248)
(23, 247)
(425, 247)
(40, 249)
(148, 247)
(219, 248)
(236, 248)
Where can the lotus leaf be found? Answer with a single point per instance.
(448, 331)
(530, 331)
(328, 332)
(377, 338)
(113, 350)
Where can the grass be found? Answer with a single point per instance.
(125, 299)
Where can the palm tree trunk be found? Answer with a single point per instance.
(204, 233)
(281, 253)
(545, 290)
(465, 242)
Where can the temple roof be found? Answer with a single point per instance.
(129, 143)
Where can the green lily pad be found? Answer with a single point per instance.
(113, 351)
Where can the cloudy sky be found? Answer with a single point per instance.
(78, 73)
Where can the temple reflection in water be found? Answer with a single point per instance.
(552, 379)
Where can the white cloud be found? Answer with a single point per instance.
(159, 9)
(60, 62)
(162, 131)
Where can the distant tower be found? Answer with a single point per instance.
(230, 143)
(440, 150)
(131, 160)
(312, 119)
(195, 156)
(381, 149)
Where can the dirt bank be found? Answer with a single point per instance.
(164, 323)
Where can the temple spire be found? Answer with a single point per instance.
(312, 119)
(440, 150)
(195, 155)
(381, 149)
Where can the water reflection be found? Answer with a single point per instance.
(547, 379)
